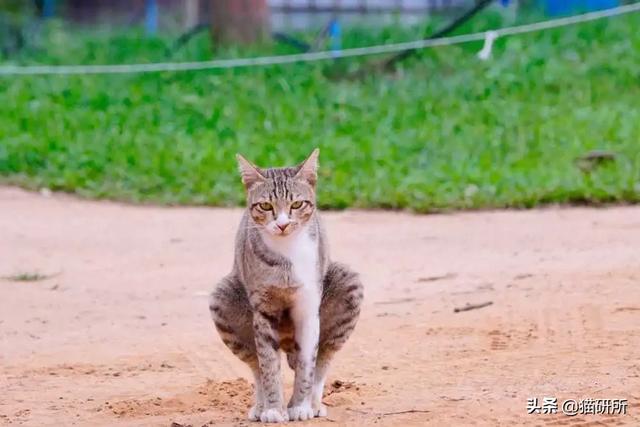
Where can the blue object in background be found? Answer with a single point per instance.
(601, 4)
(565, 7)
(335, 36)
(151, 16)
(48, 8)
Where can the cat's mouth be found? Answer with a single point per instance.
(283, 233)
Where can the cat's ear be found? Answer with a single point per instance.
(250, 173)
(308, 170)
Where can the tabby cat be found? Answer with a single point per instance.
(284, 293)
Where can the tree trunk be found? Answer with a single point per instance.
(191, 14)
(239, 21)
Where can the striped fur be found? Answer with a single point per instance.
(284, 293)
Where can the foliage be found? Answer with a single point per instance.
(447, 131)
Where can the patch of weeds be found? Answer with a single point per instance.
(28, 277)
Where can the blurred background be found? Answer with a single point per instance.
(243, 19)
(549, 117)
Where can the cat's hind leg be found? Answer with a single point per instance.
(232, 316)
(342, 296)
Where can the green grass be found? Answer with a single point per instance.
(27, 277)
(446, 132)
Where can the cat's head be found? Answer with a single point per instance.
(280, 200)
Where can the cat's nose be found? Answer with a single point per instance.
(282, 227)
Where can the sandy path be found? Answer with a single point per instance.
(121, 334)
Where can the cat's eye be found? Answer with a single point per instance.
(296, 205)
(265, 206)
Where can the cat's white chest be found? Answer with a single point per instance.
(302, 251)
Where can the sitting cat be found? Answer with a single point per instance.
(284, 292)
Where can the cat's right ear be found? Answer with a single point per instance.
(250, 173)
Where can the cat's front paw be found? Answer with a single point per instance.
(274, 415)
(255, 412)
(301, 412)
(319, 409)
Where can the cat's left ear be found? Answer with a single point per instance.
(308, 170)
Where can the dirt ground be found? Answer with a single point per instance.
(120, 333)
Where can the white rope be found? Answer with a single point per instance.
(489, 38)
(11, 70)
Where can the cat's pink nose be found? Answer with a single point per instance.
(282, 227)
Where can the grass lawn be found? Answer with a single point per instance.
(446, 132)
